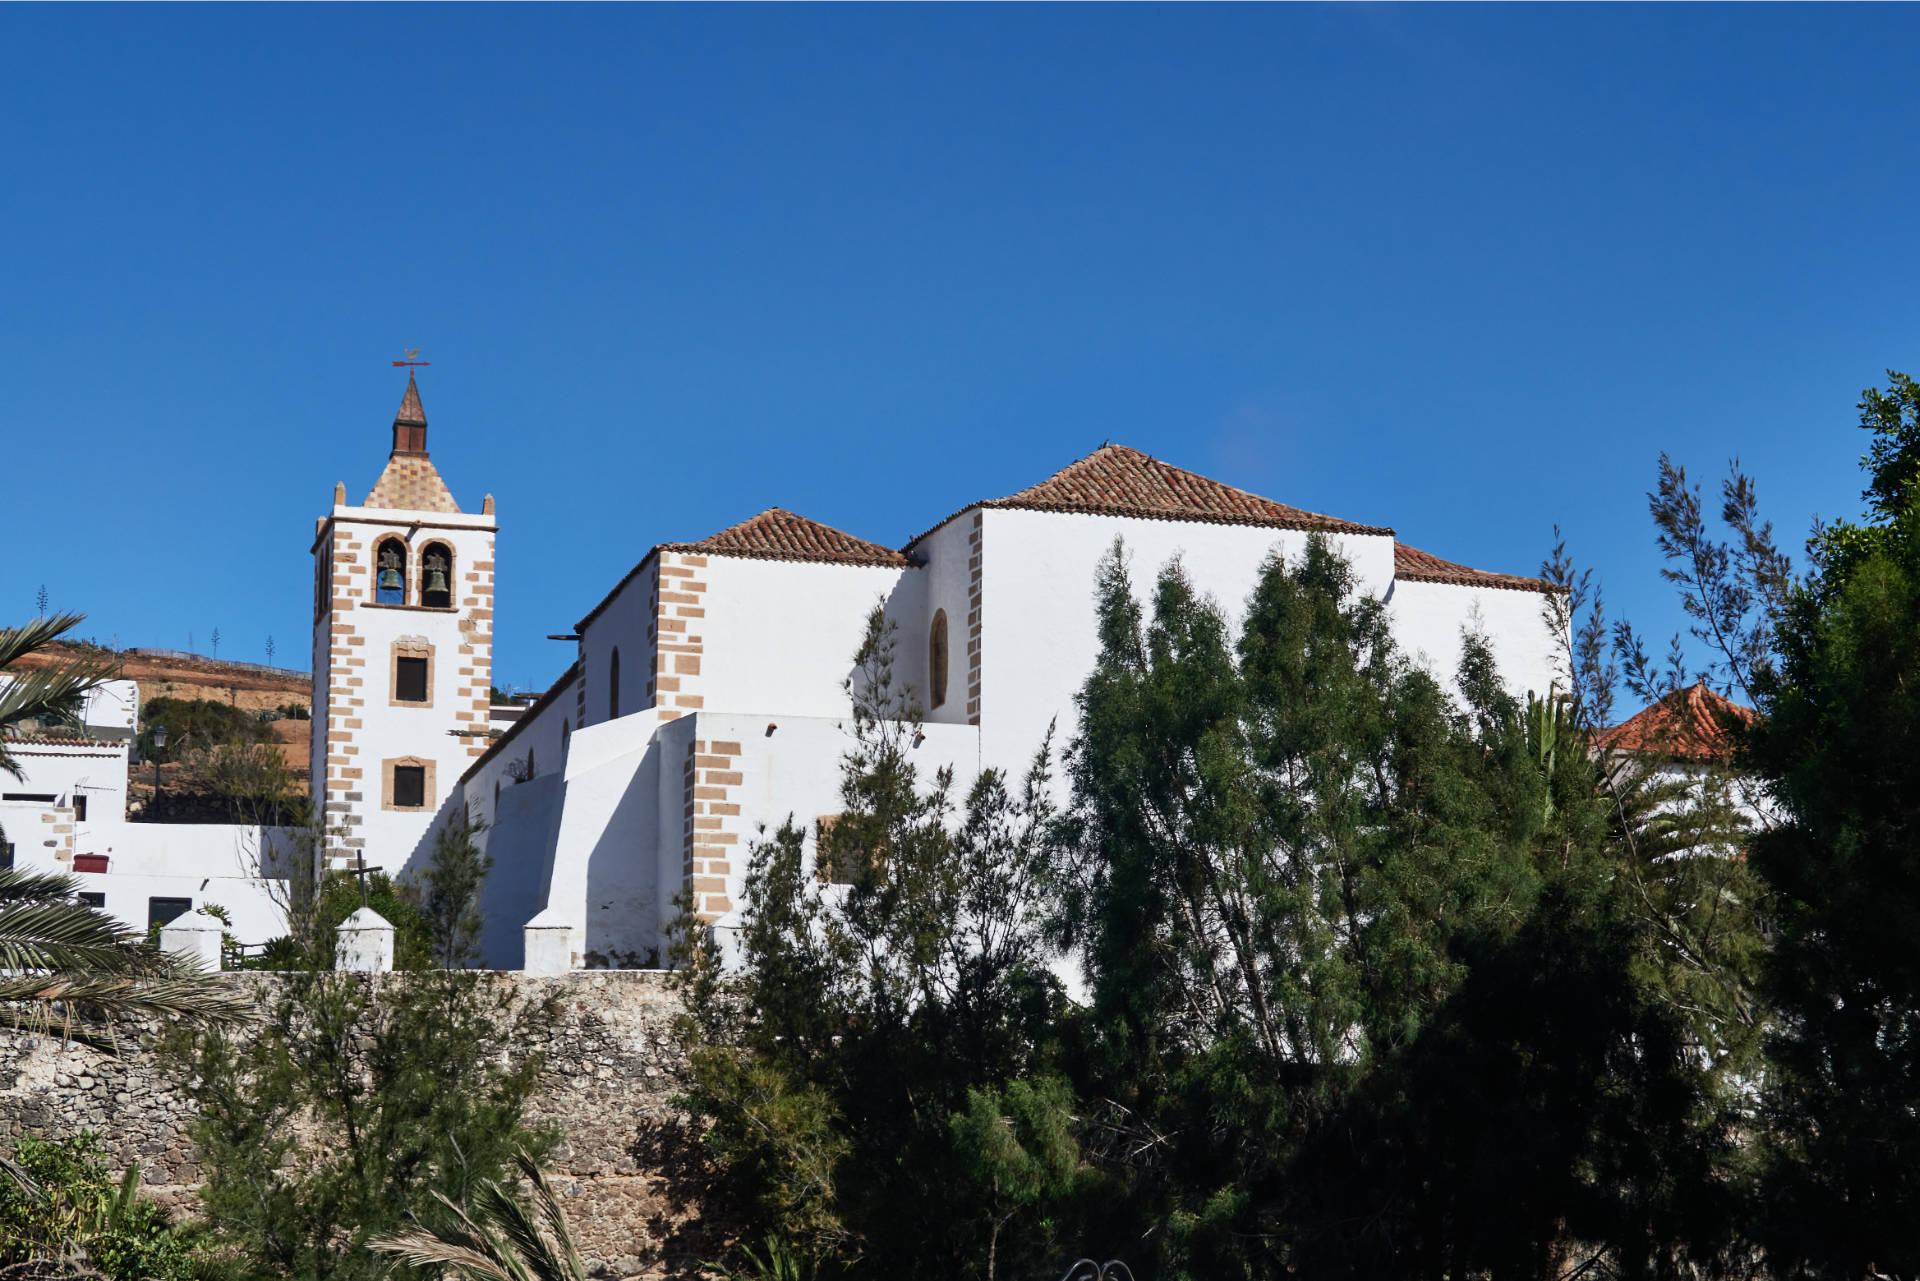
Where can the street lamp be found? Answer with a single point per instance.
(159, 746)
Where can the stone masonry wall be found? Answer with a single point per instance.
(626, 1166)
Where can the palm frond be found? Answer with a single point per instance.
(50, 693)
(505, 1244)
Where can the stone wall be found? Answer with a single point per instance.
(626, 1164)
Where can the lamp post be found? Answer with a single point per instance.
(159, 745)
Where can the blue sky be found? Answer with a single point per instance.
(1461, 271)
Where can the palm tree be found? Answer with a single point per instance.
(502, 1240)
(50, 694)
(61, 961)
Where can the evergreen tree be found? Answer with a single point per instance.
(876, 1065)
(1839, 747)
(356, 1101)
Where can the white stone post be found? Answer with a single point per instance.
(548, 943)
(195, 935)
(364, 942)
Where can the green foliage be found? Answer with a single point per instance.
(61, 1202)
(832, 1063)
(196, 724)
(45, 696)
(396, 901)
(1384, 982)
(1839, 749)
(451, 899)
(356, 1102)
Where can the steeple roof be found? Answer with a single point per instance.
(410, 482)
(411, 411)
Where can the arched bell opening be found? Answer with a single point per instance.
(436, 576)
(390, 572)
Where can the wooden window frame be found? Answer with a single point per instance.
(408, 647)
(428, 792)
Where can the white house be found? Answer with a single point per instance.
(67, 812)
(707, 695)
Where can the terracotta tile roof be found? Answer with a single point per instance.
(778, 534)
(1693, 724)
(1417, 566)
(774, 534)
(410, 482)
(1117, 481)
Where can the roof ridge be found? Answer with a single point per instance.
(1119, 480)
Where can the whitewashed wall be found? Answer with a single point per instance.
(622, 624)
(1429, 620)
(780, 635)
(949, 576)
(62, 770)
(1040, 633)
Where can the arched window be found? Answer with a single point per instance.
(937, 658)
(436, 576)
(613, 686)
(390, 573)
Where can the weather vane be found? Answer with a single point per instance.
(411, 360)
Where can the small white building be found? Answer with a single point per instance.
(707, 697)
(67, 812)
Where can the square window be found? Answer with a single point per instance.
(94, 898)
(410, 786)
(162, 910)
(410, 680)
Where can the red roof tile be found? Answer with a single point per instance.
(777, 534)
(1692, 724)
(1416, 566)
(1117, 481)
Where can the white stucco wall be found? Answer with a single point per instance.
(1039, 622)
(1429, 620)
(622, 623)
(62, 770)
(780, 636)
(948, 575)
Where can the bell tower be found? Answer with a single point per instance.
(402, 653)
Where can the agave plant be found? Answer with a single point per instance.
(500, 1239)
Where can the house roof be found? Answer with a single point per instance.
(1414, 565)
(534, 709)
(1115, 480)
(774, 534)
(778, 534)
(1693, 724)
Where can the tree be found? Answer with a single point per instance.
(452, 898)
(269, 649)
(891, 992)
(358, 1100)
(1365, 968)
(1838, 747)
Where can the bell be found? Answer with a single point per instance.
(436, 579)
(390, 579)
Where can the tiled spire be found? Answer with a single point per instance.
(410, 424)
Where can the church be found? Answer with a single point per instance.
(707, 696)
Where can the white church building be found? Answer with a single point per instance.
(707, 697)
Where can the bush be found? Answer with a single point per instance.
(198, 723)
(75, 1210)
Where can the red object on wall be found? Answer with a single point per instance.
(89, 862)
